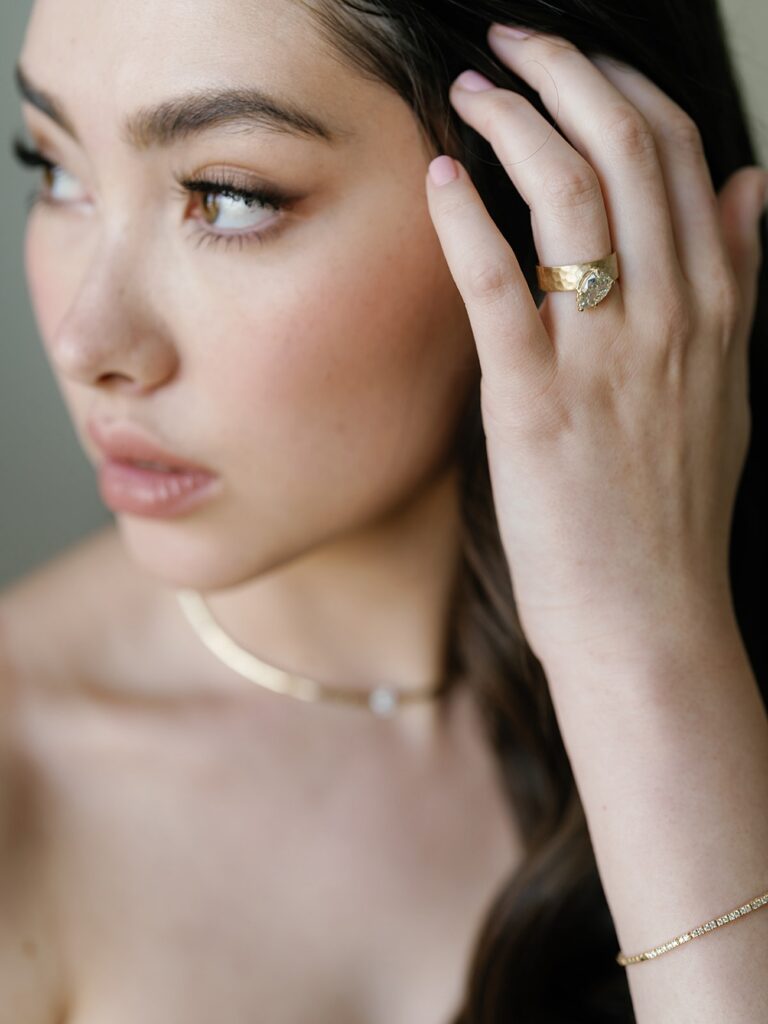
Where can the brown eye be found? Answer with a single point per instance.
(235, 209)
(241, 214)
(210, 207)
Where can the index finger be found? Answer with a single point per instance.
(515, 351)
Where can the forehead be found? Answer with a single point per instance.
(110, 57)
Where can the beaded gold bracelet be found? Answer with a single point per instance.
(694, 933)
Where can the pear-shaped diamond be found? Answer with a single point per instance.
(593, 287)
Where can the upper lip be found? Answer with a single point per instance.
(126, 441)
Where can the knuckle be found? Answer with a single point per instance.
(677, 316)
(681, 132)
(458, 205)
(487, 280)
(627, 132)
(722, 285)
(498, 107)
(724, 295)
(669, 319)
(560, 51)
(569, 186)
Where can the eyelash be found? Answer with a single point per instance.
(32, 158)
(266, 196)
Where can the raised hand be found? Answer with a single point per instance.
(616, 436)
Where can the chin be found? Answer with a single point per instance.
(187, 554)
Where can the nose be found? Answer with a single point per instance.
(111, 336)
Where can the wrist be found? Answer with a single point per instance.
(644, 643)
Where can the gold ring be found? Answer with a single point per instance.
(591, 280)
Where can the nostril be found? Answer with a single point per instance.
(121, 382)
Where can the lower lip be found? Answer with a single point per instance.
(126, 487)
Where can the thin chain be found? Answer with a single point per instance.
(695, 933)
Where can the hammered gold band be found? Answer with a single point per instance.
(716, 922)
(591, 280)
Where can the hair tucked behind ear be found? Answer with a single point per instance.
(545, 952)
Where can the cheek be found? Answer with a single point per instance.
(358, 361)
(56, 262)
(47, 289)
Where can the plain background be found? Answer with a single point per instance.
(48, 493)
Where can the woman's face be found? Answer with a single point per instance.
(316, 360)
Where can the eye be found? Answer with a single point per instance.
(58, 185)
(240, 211)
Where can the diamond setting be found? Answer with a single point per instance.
(593, 287)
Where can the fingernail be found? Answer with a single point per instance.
(442, 170)
(510, 30)
(473, 81)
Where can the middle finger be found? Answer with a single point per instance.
(617, 142)
(562, 191)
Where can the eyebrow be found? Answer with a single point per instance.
(176, 119)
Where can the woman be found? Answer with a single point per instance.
(494, 722)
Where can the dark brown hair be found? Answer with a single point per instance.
(545, 952)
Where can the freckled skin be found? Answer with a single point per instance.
(201, 832)
(320, 373)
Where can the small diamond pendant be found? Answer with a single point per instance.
(382, 701)
(593, 287)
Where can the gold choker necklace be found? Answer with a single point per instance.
(383, 700)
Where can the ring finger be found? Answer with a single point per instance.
(568, 214)
(609, 137)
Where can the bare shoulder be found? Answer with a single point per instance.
(32, 979)
(56, 620)
(52, 625)
(55, 627)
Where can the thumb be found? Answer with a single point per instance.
(741, 202)
(515, 352)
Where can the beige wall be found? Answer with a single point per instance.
(48, 495)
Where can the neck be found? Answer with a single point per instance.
(369, 609)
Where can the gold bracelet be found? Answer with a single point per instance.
(694, 933)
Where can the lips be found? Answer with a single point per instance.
(125, 442)
(142, 478)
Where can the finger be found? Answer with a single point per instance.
(692, 199)
(568, 215)
(515, 352)
(617, 141)
(741, 205)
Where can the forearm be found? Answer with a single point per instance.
(670, 755)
